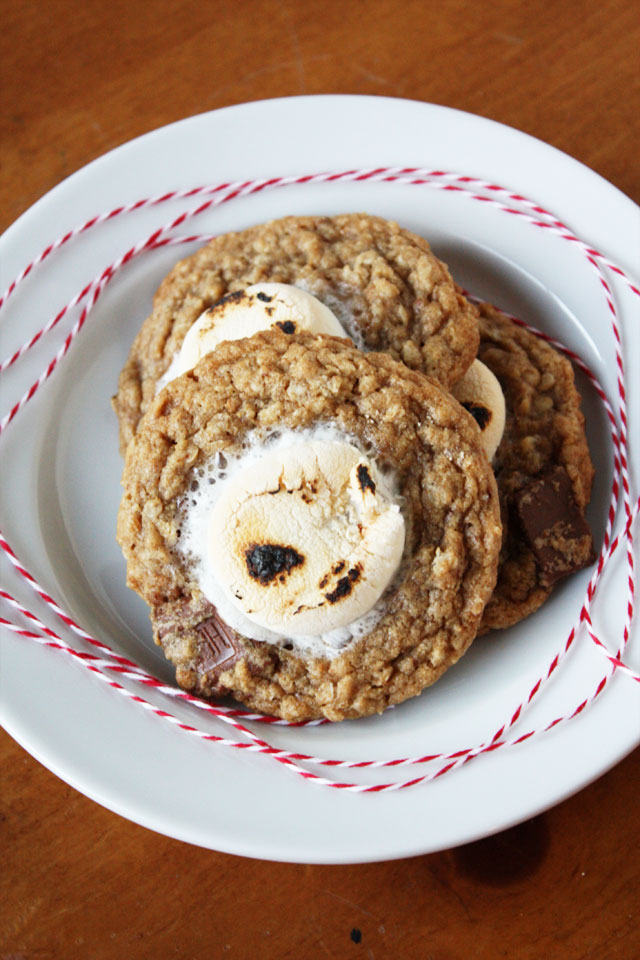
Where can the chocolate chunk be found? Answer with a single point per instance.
(364, 479)
(553, 526)
(482, 415)
(173, 618)
(266, 560)
(217, 648)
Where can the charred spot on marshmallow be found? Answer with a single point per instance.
(264, 297)
(364, 479)
(344, 585)
(287, 326)
(482, 415)
(235, 297)
(335, 570)
(265, 561)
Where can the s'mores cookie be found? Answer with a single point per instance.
(542, 467)
(316, 530)
(384, 285)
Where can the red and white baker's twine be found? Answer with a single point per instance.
(111, 668)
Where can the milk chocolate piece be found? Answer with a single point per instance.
(174, 618)
(553, 526)
(217, 649)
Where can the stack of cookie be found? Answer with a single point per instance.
(338, 471)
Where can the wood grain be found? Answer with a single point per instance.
(78, 881)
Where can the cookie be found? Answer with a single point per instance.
(542, 467)
(418, 443)
(384, 284)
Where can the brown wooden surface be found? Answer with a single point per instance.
(78, 78)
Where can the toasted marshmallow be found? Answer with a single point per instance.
(245, 312)
(305, 538)
(480, 393)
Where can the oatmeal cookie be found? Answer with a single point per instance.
(383, 283)
(542, 466)
(417, 432)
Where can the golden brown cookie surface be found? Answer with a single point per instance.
(383, 282)
(450, 503)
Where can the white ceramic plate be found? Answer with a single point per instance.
(59, 499)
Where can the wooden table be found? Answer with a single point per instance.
(78, 881)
